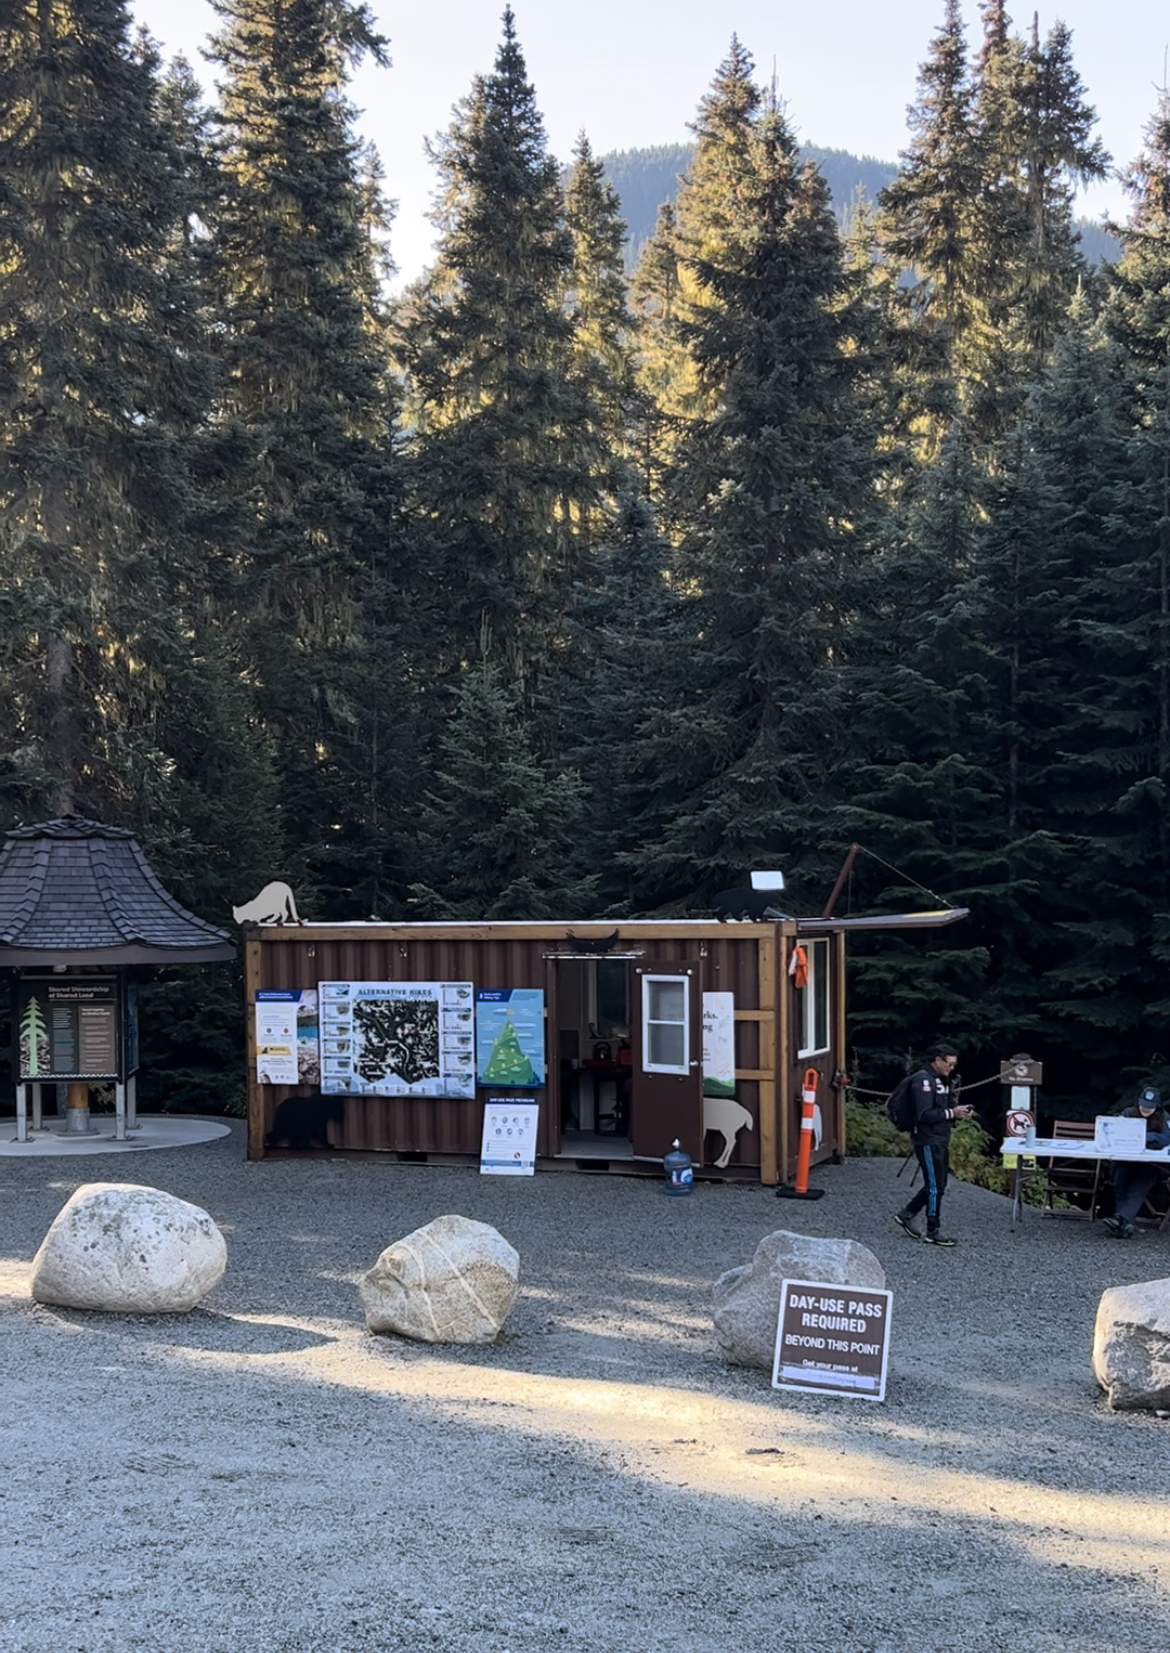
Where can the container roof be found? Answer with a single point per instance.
(74, 891)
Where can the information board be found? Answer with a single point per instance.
(718, 1044)
(832, 1340)
(287, 1038)
(509, 1137)
(397, 1038)
(68, 1027)
(1111, 1131)
(509, 1030)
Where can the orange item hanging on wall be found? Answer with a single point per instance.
(798, 967)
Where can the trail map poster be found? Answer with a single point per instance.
(397, 1038)
(509, 1025)
(68, 1028)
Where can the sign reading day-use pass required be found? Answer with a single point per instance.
(832, 1340)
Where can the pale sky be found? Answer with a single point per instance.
(630, 72)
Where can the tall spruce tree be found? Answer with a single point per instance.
(315, 541)
(507, 450)
(1036, 137)
(602, 344)
(499, 829)
(103, 378)
(929, 225)
(768, 489)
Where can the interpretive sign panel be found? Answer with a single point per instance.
(509, 1137)
(832, 1340)
(397, 1038)
(287, 1050)
(509, 1027)
(68, 1028)
(718, 1044)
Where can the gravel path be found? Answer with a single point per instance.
(262, 1476)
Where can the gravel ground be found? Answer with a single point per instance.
(263, 1476)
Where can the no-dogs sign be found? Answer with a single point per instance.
(832, 1340)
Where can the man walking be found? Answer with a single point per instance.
(934, 1113)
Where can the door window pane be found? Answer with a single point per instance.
(667, 1045)
(668, 1000)
(666, 1030)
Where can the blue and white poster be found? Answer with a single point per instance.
(509, 1037)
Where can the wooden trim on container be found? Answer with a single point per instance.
(766, 967)
(252, 980)
(839, 1036)
(768, 1074)
(784, 1087)
(503, 930)
(754, 1015)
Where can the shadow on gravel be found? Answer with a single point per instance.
(198, 1329)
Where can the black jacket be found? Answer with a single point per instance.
(933, 1101)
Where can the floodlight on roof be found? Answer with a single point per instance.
(767, 880)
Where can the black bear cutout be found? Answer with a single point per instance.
(302, 1120)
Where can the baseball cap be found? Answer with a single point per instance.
(1151, 1097)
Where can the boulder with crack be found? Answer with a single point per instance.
(1131, 1346)
(452, 1281)
(747, 1299)
(126, 1249)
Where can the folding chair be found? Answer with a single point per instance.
(1072, 1179)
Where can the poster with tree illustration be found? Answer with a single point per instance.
(509, 1027)
(34, 1040)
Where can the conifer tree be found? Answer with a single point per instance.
(499, 830)
(601, 353)
(768, 487)
(506, 441)
(297, 256)
(929, 224)
(103, 378)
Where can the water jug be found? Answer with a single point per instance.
(679, 1171)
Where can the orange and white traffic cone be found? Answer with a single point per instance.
(808, 1107)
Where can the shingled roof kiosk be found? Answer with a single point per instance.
(79, 905)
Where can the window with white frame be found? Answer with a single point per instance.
(813, 1000)
(666, 1029)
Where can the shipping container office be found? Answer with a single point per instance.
(623, 1012)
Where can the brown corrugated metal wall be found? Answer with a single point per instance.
(748, 960)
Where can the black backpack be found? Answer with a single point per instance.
(900, 1109)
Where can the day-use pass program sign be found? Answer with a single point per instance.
(832, 1340)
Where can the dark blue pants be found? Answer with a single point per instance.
(933, 1163)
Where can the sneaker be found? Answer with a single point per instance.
(1126, 1231)
(905, 1224)
(1114, 1225)
(937, 1239)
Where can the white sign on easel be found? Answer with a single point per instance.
(1127, 1136)
(509, 1137)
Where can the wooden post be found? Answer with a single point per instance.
(770, 1048)
(840, 1134)
(77, 1110)
(255, 1093)
(782, 999)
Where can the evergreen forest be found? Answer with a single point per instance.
(556, 588)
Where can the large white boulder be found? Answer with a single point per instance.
(747, 1299)
(1131, 1345)
(128, 1250)
(452, 1281)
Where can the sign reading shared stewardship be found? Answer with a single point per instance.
(832, 1340)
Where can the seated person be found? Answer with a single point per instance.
(1131, 1181)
